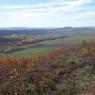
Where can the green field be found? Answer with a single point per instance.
(48, 48)
(71, 40)
(32, 51)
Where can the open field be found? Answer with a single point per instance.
(48, 46)
(71, 40)
(33, 51)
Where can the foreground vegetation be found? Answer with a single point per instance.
(65, 71)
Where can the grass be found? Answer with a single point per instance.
(66, 41)
(33, 51)
(71, 40)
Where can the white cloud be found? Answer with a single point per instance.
(45, 14)
(69, 5)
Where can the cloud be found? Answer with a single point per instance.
(55, 11)
(69, 4)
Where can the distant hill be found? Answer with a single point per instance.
(45, 31)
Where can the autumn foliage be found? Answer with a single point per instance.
(65, 71)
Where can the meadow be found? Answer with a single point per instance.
(32, 51)
(72, 40)
(50, 45)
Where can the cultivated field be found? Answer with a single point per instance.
(32, 51)
(44, 47)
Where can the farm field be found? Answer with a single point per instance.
(71, 40)
(32, 51)
(48, 46)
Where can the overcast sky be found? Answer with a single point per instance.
(47, 13)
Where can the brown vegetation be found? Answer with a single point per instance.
(65, 71)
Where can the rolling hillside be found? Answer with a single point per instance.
(46, 31)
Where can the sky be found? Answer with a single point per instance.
(47, 13)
